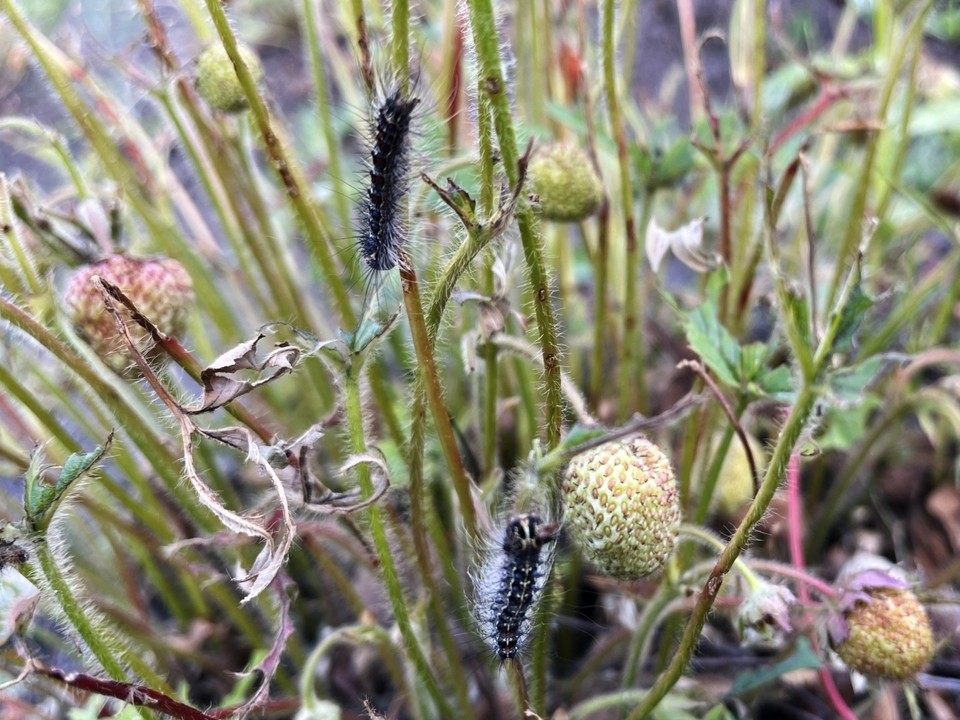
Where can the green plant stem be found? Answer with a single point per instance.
(57, 143)
(106, 655)
(639, 648)
(491, 363)
(381, 543)
(858, 204)
(601, 318)
(321, 94)
(492, 86)
(490, 390)
(632, 355)
(288, 171)
(624, 698)
(774, 475)
(632, 374)
(400, 20)
(434, 394)
(8, 224)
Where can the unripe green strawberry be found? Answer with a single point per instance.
(622, 507)
(566, 183)
(159, 287)
(216, 78)
(889, 635)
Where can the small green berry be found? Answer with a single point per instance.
(622, 507)
(216, 78)
(566, 183)
(889, 635)
(159, 287)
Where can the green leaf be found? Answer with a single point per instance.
(850, 384)
(719, 712)
(803, 658)
(851, 318)
(714, 344)
(797, 313)
(778, 384)
(41, 498)
(78, 465)
(846, 426)
(37, 495)
(753, 361)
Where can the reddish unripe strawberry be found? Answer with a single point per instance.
(159, 287)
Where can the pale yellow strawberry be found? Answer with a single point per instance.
(622, 507)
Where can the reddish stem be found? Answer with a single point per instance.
(827, 98)
(795, 534)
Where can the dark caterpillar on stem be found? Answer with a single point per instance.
(382, 227)
(511, 584)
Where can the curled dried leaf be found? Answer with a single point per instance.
(333, 503)
(686, 244)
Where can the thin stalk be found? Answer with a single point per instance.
(632, 383)
(106, 655)
(858, 204)
(490, 390)
(321, 93)
(771, 481)
(629, 33)
(287, 169)
(905, 311)
(540, 655)
(391, 579)
(632, 352)
(491, 363)
(400, 20)
(9, 229)
(493, 87)
(434, 394)
(601, 332)
(624, 698)
(57, 143)
(518, 685)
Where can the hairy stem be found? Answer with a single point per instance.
(493, 87)
(381, 544)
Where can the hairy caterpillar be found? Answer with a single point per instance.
(382, 228)
(511, 583)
